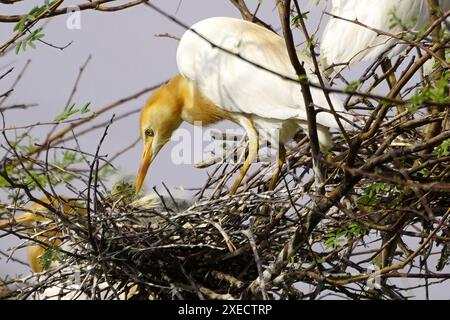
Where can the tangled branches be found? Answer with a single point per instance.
(380, 228)
(221, 245)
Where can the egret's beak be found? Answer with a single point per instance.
(146, 160)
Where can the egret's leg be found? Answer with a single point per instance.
(280, 162)
(252, 151)
(386, 65)
(273, 183)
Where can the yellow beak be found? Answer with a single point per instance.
(146, 160)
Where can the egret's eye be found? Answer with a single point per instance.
(149, 132)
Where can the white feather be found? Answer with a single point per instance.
(347, 42)
(240, 87)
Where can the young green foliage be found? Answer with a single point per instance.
(340, 236)
(66, 114)
(377, 193)
(51, 254)
(443, 149)
(29, 40)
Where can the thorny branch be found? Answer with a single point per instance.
(380, 189)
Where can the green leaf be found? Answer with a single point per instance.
(377, 192)
(4, 184)
(18, 45)
(20, 26)
(424, 172)
(50, 255)
(302, 77)
(29, 40)
(353, 86)
(26, 19)
(443, 149)
(71, 111)
(85, 108)
(437, 93)
(357, 230)
(67, 113)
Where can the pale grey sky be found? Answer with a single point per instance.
(126, 57)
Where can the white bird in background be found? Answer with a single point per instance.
(215, 85)
(344, 42)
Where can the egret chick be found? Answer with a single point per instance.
(174, 199)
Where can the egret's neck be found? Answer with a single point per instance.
(195, 107)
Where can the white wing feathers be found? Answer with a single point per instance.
(236, 85)
(345, 41)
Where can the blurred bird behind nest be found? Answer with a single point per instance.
(44, 229)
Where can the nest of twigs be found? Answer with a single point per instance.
(255, 244)
(207, 250)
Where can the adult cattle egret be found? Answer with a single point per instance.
(215, 85)
(345, 42)
(45, 238)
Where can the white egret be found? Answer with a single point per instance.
(344, 42)
(215, 85)
(347, 42)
